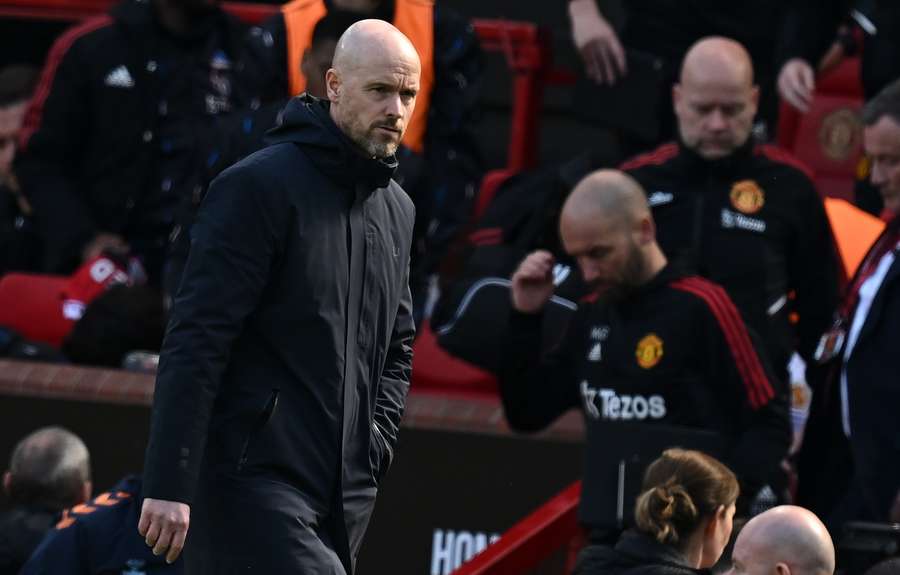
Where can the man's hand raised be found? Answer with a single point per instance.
(532, 283)
(164, 525)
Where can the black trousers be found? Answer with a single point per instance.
(251, 525)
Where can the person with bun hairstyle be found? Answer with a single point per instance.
(683, 520)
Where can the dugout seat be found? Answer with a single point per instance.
(828, 138)
(31, 304)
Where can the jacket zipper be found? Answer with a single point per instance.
(258, 426)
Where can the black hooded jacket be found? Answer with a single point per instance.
(288, 354)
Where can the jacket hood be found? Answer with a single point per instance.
(306, 121)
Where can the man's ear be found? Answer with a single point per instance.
(716, 517)
(86, 491)
(333, 85)
(782, 569)
(676, 96)
(7, 482)
(647, 230)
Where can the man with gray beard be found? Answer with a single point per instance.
(286, 365)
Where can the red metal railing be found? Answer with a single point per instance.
(531, 541)
(524, 44)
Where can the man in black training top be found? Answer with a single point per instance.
(650, 344)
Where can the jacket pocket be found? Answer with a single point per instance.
(261, 421)
(379, 453)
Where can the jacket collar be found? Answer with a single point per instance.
(648, 550)
(306, 121)
(695, 165)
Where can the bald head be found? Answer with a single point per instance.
(606, 227)
(49, 467)
(370, 42)
(372, 86)
(715, 99)
(717, 59)
(609, 195)
(788, 535)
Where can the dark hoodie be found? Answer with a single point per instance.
(634, 554)
(288, 354)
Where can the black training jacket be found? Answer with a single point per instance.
(93, 140)
(675, 352)
(288, 354)
(753, 223)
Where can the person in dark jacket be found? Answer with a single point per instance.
(651, 345)
(440, 163)
(855, 412)
(746, 217)
(285, 368)
(683, 520)
(113, 138)
(49, 471)
(100, 537)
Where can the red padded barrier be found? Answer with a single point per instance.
(31, 304)
(532, 540)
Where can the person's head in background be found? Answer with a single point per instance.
(715, 98)
(16, 86)
(881, 140)
(317, 58)
(50, 468)
(606, 227)
(687, 501)
(785, 540)
(887, 567)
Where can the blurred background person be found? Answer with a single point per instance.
(715, 194)
(665, 30)
(100, 537)
(856, 410)
(112, 140)
(634, 341)
(683, 520)
(49, 470)
(19, 244)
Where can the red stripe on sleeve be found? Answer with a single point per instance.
(759, 388)
(35, 111)
(783, 156)
(486, 236)
(656, 157)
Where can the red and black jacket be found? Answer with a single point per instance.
(753, 223)
(674, 352)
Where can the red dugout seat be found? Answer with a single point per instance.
(828, 138)
(32, 304)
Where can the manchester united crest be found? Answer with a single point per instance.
(747, 197)
(649, 351)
